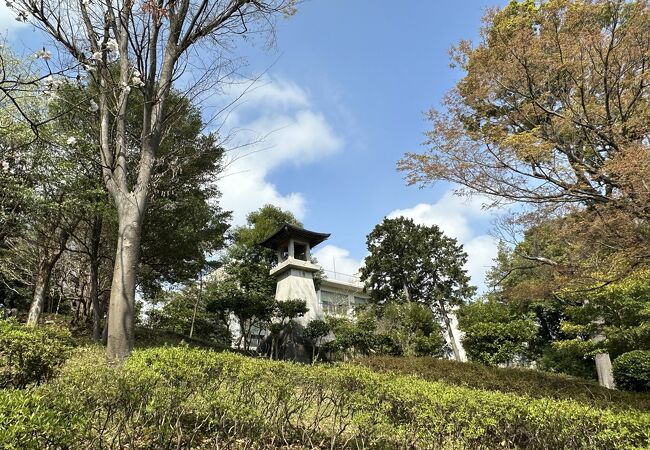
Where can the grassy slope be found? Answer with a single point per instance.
(533, 383)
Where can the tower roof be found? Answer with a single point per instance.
(287, 231)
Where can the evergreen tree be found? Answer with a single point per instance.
(417, 263)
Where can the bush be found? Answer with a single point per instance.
(408, 329)
(533, 383)
(564, 360)
(494, 333)
(190, 398)
(28, 422)
(31, 354)
(632, 371)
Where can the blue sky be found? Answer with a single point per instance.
(343, 97)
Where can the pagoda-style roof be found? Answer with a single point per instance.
(288, 231)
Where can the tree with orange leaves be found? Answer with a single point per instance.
(553, 112)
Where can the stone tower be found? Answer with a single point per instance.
(295, 271)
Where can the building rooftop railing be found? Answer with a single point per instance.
(339, 276)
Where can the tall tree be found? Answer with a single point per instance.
(553, 112)
(57, 206)
(417, 263)
(153, 44)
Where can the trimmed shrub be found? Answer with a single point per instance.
(27, 421)
(520, 381)
(189, 398)
(31, 354)
(632, 371)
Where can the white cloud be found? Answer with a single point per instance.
(455, 216)
(337, 263)
(275, 125)
(451, 214)
(247, 191)
(272, 94)
(481, 252)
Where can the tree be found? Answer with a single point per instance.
(186, 312)
(152, 45)
(315, 331)
(353, 338)
(43, 192)
(577, 321)
(252, 307)
(21, 82)
(184, 223)
(553, 113)
(610, 321)
(285, 313)
(417, 263)
(396, 329)
(244, 284)
(521, 280)
(496, 334)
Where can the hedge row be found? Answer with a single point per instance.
(533, 383)
(189, 398)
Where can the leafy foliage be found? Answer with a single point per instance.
(539, 120)
(519, 381)
(494, 334)
(178, 397)
(30, 354)
(621, 310)
(632, 370)
(187, 310)
(316, 330)
(569, 312)
(408, 329)
(410, 262)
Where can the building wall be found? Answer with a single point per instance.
(338, 298)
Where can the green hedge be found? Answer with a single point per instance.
(189, 398)
(28, 421)
(533, 383)
(632, 371)
(31, 354)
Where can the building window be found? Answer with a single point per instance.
(334, 304)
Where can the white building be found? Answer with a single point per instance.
(340, 298)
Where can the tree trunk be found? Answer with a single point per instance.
(40, 290)
(94, 277)
(604, 369)
(196, 304)
(121, 308)
(603, 362)
(45, 266)
(455, 345)
(407, 294)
